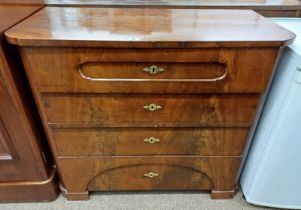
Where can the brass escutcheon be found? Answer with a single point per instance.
(152, 107)
(151, 175)
(151, 140)
(153, 70)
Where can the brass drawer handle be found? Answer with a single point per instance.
(152, 107)
(151, 140)
(151, 175)
(153, 70)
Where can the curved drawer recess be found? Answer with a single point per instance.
(150, 177)
(97, 70)
(160, 72)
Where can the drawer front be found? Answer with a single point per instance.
(149, 173)
(134, 110)
(151, 177)
(95, 70)
(87, 142)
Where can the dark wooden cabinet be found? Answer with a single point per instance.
(283, 8)
(27, 172)
(148, 99)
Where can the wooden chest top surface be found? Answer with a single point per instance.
(148, 119)
(178, 3)
(148, 28)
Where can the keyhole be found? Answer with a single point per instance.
(152, 107)
(153, 69)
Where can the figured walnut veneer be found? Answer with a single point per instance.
(146, 99)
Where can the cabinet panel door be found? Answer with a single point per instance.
(6, 147)
(19, 161)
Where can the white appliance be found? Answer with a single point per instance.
(272, 172)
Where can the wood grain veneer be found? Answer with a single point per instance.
(128, 110)
(176, 28)
(27, 172)
(174, 2)
(85, 67)
(240, 69)
(92, 142)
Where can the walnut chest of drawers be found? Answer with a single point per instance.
(148, 99)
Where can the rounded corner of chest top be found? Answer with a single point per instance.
(10, 38)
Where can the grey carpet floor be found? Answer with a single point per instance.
(141, 201)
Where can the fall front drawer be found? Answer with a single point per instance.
(136, 110)
(149, 173)
(91, 142)
(98, 70)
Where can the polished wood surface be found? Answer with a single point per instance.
(128, 110)
(167, 177)
(294, 12)
(12, 139)
(26, 169)
(99, 172)
(30, 191)
(239, 70)
(178, 2)
(21, 3)
(139, 71)
(267, 8)
(12, 14)
(167, 28)
(92, 142)
(95, 101)
(7, 150)
(17, 161)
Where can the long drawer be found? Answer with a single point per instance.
(88, 142)
(149, 173)
(98, 70)
(134, 110)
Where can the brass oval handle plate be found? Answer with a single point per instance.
(153, 70)
(151, 140)
(152, 107)
(151, 175)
